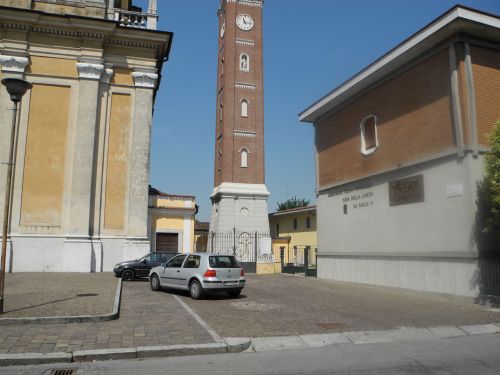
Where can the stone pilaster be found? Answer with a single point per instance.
(139, 168)
(12, 67)
(83, 149)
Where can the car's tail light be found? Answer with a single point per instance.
(242, 272)
(210, 273)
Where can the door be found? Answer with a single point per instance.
(167, 242)
(171, 275)
(190, 269)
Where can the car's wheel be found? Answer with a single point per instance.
(128, 275)
(196, 290)
(234, 293)
(154, 282)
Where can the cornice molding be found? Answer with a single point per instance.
(143, 79)
(244, 134)
(90, 71)
(244, 86)
(15, 64)
(245, 42)
(250, 3)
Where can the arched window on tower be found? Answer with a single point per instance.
(244, 62)
(244, 107)
(244, 158)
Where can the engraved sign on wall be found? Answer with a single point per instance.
(406, 190)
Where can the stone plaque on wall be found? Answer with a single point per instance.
(406, 190)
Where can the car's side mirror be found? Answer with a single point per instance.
(163, 265)
(144, 261)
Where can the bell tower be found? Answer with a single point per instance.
(239, 199)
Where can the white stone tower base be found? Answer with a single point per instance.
(240, 206)
(240, 223)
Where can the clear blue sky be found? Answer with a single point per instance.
(310, 46)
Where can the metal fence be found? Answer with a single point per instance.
(247, 247)
(299, 259)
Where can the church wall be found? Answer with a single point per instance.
(73, 125)
(45, 156)
(117, 162)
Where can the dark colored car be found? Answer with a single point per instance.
(132, 269)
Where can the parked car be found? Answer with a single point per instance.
(132, 269)
(200, 273)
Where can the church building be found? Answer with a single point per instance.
(399, 153)
(80, 184)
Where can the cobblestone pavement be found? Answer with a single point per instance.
(279, 305)
(146, 319)
(59, 294)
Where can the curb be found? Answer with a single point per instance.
(265, 344)
(70, 319)
(229, 345)
(259, 344)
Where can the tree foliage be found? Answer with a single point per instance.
(492, 184)
(293, 202)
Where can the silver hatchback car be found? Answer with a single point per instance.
(200, 273)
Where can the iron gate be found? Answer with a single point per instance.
(300, 260)
(245, 246)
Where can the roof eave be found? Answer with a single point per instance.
(432, 34)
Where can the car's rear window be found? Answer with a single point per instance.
(223, 261)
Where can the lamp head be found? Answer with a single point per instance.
(16, 88)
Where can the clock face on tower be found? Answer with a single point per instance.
(244, 22)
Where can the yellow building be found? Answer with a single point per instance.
(201, 231)
(293, 230)
(80, 185)
(171, 221)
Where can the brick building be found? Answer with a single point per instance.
(399, 149)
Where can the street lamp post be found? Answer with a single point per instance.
(16, 89)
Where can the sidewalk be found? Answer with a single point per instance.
(146, 319)
(58, 294)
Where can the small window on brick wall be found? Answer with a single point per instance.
(369, 140)
(244, 158)
(244, 108)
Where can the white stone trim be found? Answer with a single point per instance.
(250, 3)
(106, 76)
(364, 150)
(244, 86)
(245, 42)
(89, 71)
(187, 234)
(244, 134)
(13, 63)
(232, 188)
(143, 79)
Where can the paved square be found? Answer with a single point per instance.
(276, 305)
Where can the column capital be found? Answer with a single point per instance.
(15, 64)
(144, 79)
(89, 71)
(106, 75)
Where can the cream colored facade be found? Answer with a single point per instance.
(80, 190)
(172, 216)
(294, 229)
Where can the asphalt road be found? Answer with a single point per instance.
(476, 355)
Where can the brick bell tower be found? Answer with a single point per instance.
(239, 199)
